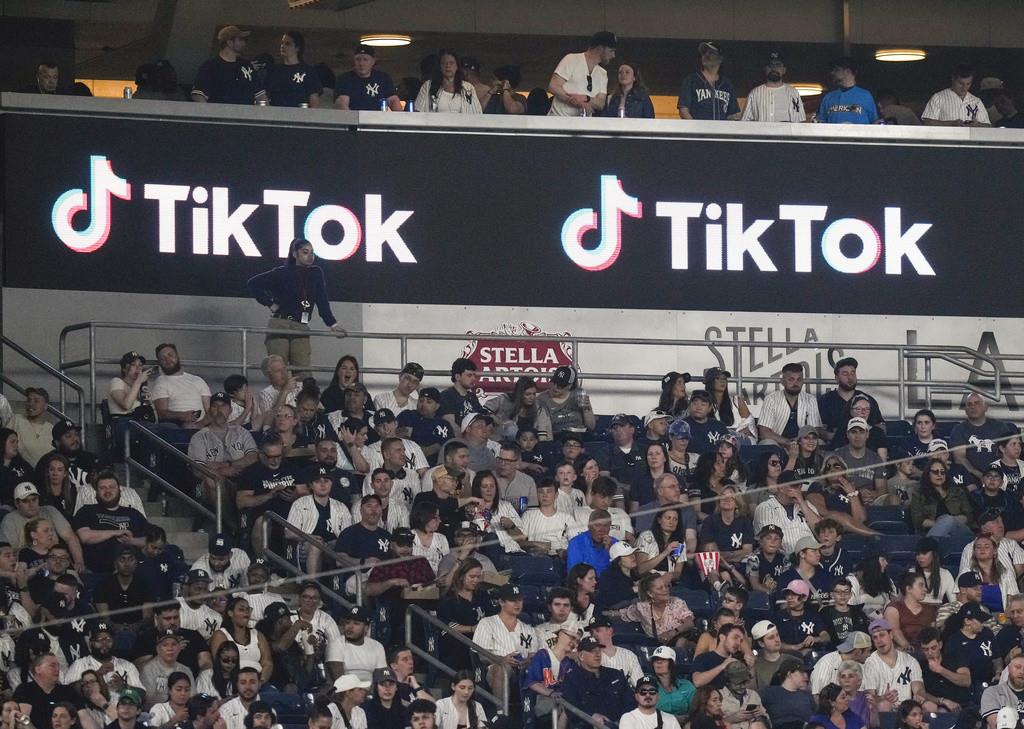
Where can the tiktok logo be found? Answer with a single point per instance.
(614, 202)
(103, 184)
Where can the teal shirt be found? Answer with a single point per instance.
(677, 701)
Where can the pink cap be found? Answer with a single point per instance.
(798, 587)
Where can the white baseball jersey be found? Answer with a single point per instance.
(363, 659)
(389, 401)
(491, 634)
(258, 603)
(356, 721)
(793, 529)
(414, 457)
(326, 630)
(448, 716)
(204, 619)
(571, 500)
(505, 509)
(397, 516)
(553, 529)
(304, 515)
(945, 105)
(233, 713)
(402, 489)
(774, 104)
(233, 575)
(125, 669)
(880, 678)
(636, 719)
(626, 661)
(265, 398)
(433, 552)
(548, 632)
(826, 671)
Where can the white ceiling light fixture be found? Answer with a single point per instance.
(385, 40)
(808, 89)
(900, 55)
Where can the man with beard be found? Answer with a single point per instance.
(27, 508)
(224, 449)
(247, 690)
(67, 441)
(225, 563)
(195, 652)
(196, 614)
(345, 485)
(35, 432)
(105, 526)
(774, 101)
(834, 405)
(66, 636)
(179, 397)
(269, 484)
(117, 673)
(646, 694)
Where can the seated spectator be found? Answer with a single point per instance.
(728, 530)
(34, 429)
(202, 711)
(835, 560)
(161, 565)
(727, 451)
(978, 434)
(994, 698)
(158, 672)
(956, 106)
(855, 647)
(460, 399)
(642, 488)
(603, 692)
(252, 645)
(709, 637)
(834, 709)
(483, 451)
(448, 506)
(27, 509)
(247, 691)
(902, 483)
(544, 677)
(770, 658)
(788, 702)
(319, 516)
(873, 589)
(55, 486)
(405, 396)
(286, 426)
(890, 674)
(360, 653)
(1010, 464)
(219, 680)
(195, 652)
(1009, 558)
(800, 626)
(394, 513)
(282, 390)
(675, 691)
(841, 618)
(13, 468)
(461, 709)
(346, 372)
(572, 492)
(386, 582)
(661, 614)
(225, 563)
(866, 471)
(667, 493)
(582, 584)
(617, 585)
(602, 493)
(806, 567)
(67, 441)
(891, 111)
(741, 705)
(680, 461)
(119, 674)
(971, 645)
(463, 605)
(765, 566)
(837, 498)
(313, 425)
(423, 426)
(592, 546)
(946, 678)
(500, 519)
(105, 526)
(560, 617)
(447, 90)
(195, 612)
(519, 409)
(860, 406)
(223, 449)
(545, 526)
(130, 391)
(268, 484)
(43, 582)
(386, 427)
(910, 614)
(938, 581)
(803, 455)
(787, 509)
(787, 410)
(179, 397)
(455, 458)
(123, 590)
(507, 636)
(364, 543)
(706, 94)
(567, 403)
(384, 709)
(705, 431)
(311, 637)
(175, 709)
(516, 487)
(663, 547)
(941, 507)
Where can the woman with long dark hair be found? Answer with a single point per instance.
(872, 586)
(219, 680)
(345, 704)
(707, 709)
(711, 476)
(910, 715)
(518, 409)
(500, 518)
(940, 587)
(346, 372)
(673, 398)
(582, 585)
(834, 709)
(428, 541)
(383, 708)
(13, 468)
(252, 645)
(291, 292)
(460, 710)
(675, 691)
(998, 581)
(448, 90)
(175, 709)
(630, 99)
(461, 608)
(732, 415)
(292, 81)
(656, 546)
(941, 507)
(803, 455)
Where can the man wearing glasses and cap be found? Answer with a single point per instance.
(646, 714)
(579, 84)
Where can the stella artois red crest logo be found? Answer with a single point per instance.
(528, 355)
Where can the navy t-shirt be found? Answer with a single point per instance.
(292, 85)
(452, 403)
(162, 571)
(358, 541)
(728, 538)
(707, 661)
(840, 564)
(835, 411)
(425, 431)
(99, 557)
(260, 480)
(704, 436)
(1007, 639)
(981, 451)
(975, 653)
(364, 94)
(839, 624)
(707, 101)
(224, 82)
(758, 563)
(794, 630)
(834, 500)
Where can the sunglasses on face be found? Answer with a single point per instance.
(774, 463)
(938, 471)
(647, 692)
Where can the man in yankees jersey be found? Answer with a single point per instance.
(507, 636)
(956, 106)
(195, 614)
(118, 673)
(386, 426)
(225, 563)
(892, 675)
(364, 87)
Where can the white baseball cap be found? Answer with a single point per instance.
(25, 489)
(664, 651)
(761, 629)
(1007, 718)
(349, 681)
(620, 549)
(857, 423)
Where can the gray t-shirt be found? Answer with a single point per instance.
(998, 696)
(12, 528)
(154, 678)
(863, 471)
(520, 485)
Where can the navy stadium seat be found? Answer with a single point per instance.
(757, 608)
(598, 449)
(898, 428)
(853, 543)
(895, 528)
(953, 546)
(944, 428)
(901, 548)
(550, 451)
(697, 600)
(529, 570)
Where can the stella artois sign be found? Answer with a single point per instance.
(526, 356)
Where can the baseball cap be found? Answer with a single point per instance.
(413, 368)
(432, 392)
(700, 395)
(857, 423)
(992, 468)
(510, 592)
(403, 535)
(126, 549)
(604, 38)
(168, 635)
(655, 415)
(25, 489)
(473, 417)
(348, 682)
(672, 376)
(707, 47)
(806, 543)
(194, 576)
(63, 426)
(1007, 718)
(798, 587)
(937, 444)
(600, 621)
(879, 624)
(99, 626)
(56, 604)
(644, 681)
(680, 429)
(664, 651)
(275, 611)
(989, 515)
(990, 83)
(620, 549)
(220, 397)
(620, 419)
(363, 48)
(845, 361)
(230, 32)
(769, 529)
(974, 611)
(130, 696)
(380, 675)
(260, 563)
(854, 640)
(221, 545)
(761, 629)
(568, 435)
(927, 544)
(775, 57)
(589, 643)
(806, 430)
(565, 376)
(383, 415)
(315, 473)
(357, 612)
(712, 372)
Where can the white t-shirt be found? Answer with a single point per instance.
(635, 719)
(553, 529)
(465, 102)
(574, 69)
(491, 634)
(774, 104)
(184, 391)
(448, 716)
(945, 105)
(327, 630)
(118, 384)
(880, 678)
(363, 659)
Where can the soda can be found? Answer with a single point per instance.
(127, 92)
(383, 104)
(523, 501)
(409, 105)
(622, 112)
(303, 105)
(262, 102)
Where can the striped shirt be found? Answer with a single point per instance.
(626, 661)
(774, 104)
(389, 401)
(305, 516)
(397, 515)
(265, 399)
(775, 411)
(492, 635)
(233, 575)
(414, 457)
(553, 529)
(794, 527)
(946, 105)
(203, 619)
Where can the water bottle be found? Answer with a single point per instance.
(383, 104)
(584, 111)
(622, 112)
(127, 92)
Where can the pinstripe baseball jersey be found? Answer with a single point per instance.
(946, 105)
(492, 635)
(233, 575)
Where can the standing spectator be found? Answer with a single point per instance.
(848, 103)
(956, 106)
(706, 94)
(972, 440)
(227, 78)
(834, 405)
(774, 100)
(579, 84)
(460, 399)
(106, 525)
(567, 403)
(35, 432)
(291, 291)
(292, 81)
(786, 411)
(366, 88)
(406, 395)
(448, 91)
(630, 99)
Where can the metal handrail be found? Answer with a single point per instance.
(138, 428)
(952, 354)
(324, 549)
(292, 569)
(49, 369)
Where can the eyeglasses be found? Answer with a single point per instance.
(834, 467)
(590, 83)
(842, 592)
(647, 692)
(507, 460)
(937, 471)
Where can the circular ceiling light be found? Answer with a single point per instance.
(808, 89)
(896, 55)
(385, 40)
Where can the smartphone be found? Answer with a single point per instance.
(751, 707)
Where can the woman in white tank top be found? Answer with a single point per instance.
(252, 646)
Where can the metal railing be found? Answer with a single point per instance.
(152, 439)
(62, 379)
(963, 358)
(324, 550)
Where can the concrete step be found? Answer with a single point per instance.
(171, 524)
(194, 545)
